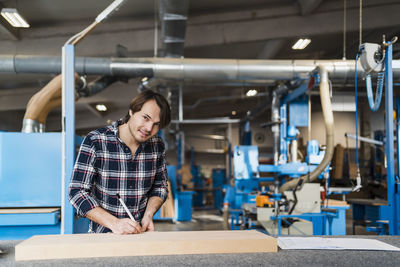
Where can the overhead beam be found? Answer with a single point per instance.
(291, 26)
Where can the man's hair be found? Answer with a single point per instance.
(146, 95)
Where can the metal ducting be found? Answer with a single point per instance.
(173, 17)
(216, 99)
(190, 70)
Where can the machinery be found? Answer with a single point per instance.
(30, 185)
(381, 215)
(278, 196)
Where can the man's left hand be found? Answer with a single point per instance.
(147, 224)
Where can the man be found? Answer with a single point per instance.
(125, 158)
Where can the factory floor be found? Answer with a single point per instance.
(203, 219)
(210, 219)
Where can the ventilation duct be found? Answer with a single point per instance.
(190, 70)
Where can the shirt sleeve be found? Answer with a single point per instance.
(82, 180)
(160, 185)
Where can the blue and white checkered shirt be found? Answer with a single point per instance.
(106, 166)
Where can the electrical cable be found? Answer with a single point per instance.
(358, 186)
(360, 23)
(344, 28)
(355, 96)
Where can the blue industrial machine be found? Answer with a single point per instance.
(182, 200)
(218, 182)
(382, 216)
(254, 200)
(30, 185)
(198, 184)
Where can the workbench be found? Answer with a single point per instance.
(281, 258)
(370, 213)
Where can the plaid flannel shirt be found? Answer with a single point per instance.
(106, 166)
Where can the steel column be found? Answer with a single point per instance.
(398, 136)
(68, 132)
(389, 146)
(283, 134)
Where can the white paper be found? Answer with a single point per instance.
(334, 243)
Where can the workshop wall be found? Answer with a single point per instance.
(344, 122)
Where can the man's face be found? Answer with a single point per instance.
(145, 123)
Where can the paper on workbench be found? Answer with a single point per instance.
(334, 243)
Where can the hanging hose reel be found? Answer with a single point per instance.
(371, 59)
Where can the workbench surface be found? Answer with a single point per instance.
(281, 258)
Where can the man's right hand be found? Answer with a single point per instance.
(117, 226)
(126, 226)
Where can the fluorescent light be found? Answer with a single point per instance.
(101, 107)
(301, 44)
(14, 18)
(114, 6)
(251, 92)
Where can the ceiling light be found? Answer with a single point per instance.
(301, 44)
(233, 112)
(251, 92)
(101, 107)
(14, 18)
(114, 6)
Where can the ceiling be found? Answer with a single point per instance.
(240, 29)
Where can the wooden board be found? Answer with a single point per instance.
(28, 210)
(338, 162)
(149, 243)
(168, 208)
(335, 203)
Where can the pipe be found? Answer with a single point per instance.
(275, 119)
(41, 104)
(218, 98)
(328, 118)
(49, 98)
(365, 139)
(96, 86)
(293, 151)
(32, 126)
(188, 69)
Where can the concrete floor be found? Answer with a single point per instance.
(201, 220)
(210, 219)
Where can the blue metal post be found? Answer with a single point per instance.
(282, 138)
(229, 161)
(398, 136)
(68, 133)
(246, 138)
(179, 153)
(389, 146)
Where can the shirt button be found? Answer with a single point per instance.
(130, 187)
(126, 149)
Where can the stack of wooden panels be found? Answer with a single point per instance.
(149, 243)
